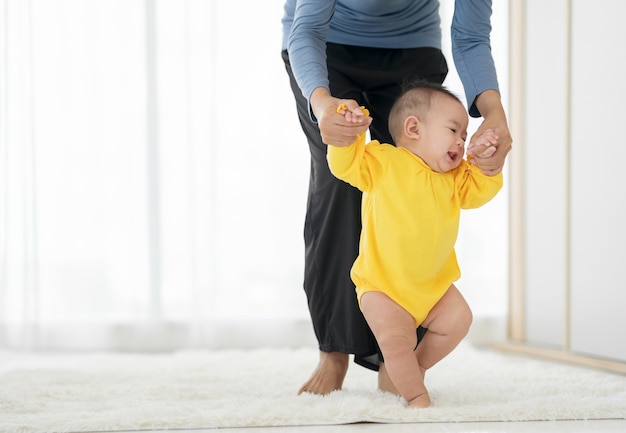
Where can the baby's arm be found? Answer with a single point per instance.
(352, 163)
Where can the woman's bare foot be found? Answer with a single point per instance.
(384, 381)
(329, 374)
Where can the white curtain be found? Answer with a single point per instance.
(153, 178)
(153, 175)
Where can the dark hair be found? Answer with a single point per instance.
(415, 99)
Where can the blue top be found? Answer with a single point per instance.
(309, 24)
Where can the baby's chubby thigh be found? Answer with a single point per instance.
(393, 327)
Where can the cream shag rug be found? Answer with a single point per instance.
(244, 388)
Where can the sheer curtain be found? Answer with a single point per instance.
(153, 179)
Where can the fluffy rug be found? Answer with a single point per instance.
(238, 388)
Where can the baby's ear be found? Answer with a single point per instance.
(412, 127)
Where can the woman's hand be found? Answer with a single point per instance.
(338, 129)
(490, 159)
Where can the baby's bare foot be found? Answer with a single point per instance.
(329, 374)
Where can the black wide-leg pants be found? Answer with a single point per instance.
(373, 77)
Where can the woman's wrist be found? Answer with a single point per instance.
(316, 100)
(489, 105)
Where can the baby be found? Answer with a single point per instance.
(412, 196)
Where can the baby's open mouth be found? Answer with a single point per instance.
(453, 155)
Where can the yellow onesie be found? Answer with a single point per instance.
(410, 217)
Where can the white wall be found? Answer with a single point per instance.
(574, 213)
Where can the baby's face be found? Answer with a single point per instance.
(442, 134)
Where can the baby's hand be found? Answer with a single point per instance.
(484, 145)
(355, 116)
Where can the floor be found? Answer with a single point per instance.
(596, 426)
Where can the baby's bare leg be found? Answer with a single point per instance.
(448, 323)
(394, 330)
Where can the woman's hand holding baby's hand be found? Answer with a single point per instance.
(488, 151)
(356, 115)
(338, 128)
(490, 107)
(484, 146)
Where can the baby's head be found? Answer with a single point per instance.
(430, 121)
